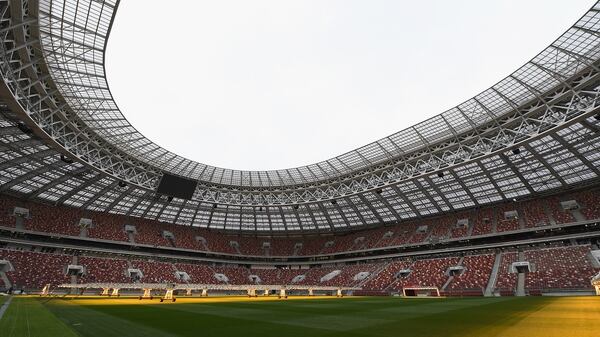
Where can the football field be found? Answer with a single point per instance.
(303, 317)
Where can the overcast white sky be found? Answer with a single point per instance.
(270, 84)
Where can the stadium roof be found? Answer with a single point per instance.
(64, 140)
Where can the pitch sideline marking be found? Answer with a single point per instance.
(5, 306)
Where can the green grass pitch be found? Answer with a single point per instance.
(303, 317)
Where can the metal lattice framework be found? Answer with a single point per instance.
(52, 66)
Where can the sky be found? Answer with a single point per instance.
(274, 84)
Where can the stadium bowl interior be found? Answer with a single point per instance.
(489, 209)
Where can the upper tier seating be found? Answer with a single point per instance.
(503, 224)
(50, 219)
(7, 205)
(420, 236)
(217, 242)
(108, 227)
(590, 204)
(283, 246)
(341, 243)
(483, 222)
(64, 220)
(185, 237)
(441, 227)
(534, 214)
(403, 234)
(150, 233)
(560, 215)
(459, 232)
(314, 245)
(252, 246)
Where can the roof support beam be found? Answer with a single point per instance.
(492, 180)
(429, 195)
(406, 200)
(549, 167)
(99, 194)
(368, 204)
(576, 153)
(438, 191)
(353, 206)
(79, 188)
(516, 172)
(462, 184)
(65, 177)
(387, 204)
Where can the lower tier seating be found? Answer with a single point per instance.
(34, 270)
(426, 273)
(559, 268)
(103, 270)
(506, 280)
(476, 273)
(552, 268)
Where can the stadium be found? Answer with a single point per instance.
(482, 220)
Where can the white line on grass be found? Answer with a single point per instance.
(5, 306)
